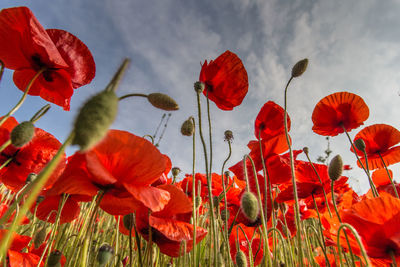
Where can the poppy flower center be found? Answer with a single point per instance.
(38, 64)
(12, 157)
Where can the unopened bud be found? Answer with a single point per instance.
(241, 260)
(249, 206)
(39, 237)
(305, 150)
(187, 128)
(224, 214)
(54, 259)
(335, 168)
(228, 135)
(94, 119)
(128, 222)
(299, 68)
(199, 87)
(198, 201)
(31, 177)
(162, 101)
(105, 254)
(22, 133)
(175, 171)
(360, 144)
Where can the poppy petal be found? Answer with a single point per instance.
(153, 198)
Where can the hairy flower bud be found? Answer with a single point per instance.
(335, 168)
(162, 101)
(299, 68)
(175, 171)
(128, 222)
(94, 119)
(22, 133)
(187, 127)
(54, 259)
(39, 237)
(305, 150)
(249, 206)
(104, 255)
(360, 144)
(224, 214)
(241, 260)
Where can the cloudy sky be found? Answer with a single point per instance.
(351, 46)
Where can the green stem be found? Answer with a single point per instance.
(139, 247)
(1, 69)
(371, 183)
(209, 181)
(388, 173)
(132, 95)
(22, 99)
(194, 213)
(296, 198)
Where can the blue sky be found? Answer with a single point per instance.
(352, 46)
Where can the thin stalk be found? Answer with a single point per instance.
(22, 99)
(194, 213)
(390, 178)
(371, 183)
(1, 69)
(296, 198)
(320, 229)
(132, 95)
(139, 247)
(209, 181)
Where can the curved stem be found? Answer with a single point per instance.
(371, 183)
(131, 95)
(296, 198)
(40, 113)
(390, 178)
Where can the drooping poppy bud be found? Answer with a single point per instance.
(299, 68)
(224, 214)
(187, 128)
(104, 255)
(335, 168)
(162, 101)
(241, 260)
(249, 206)
(305, 150)
(360, 144)
(54, 259)
(39, 237)
(128, 221)
(22, 133)
(94, 119)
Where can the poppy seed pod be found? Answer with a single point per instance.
(187, 128)
(241, 260)
(94, 119)
(54, 259)
(22, 133)
(228, 135)
(299, 68)
(360, 144)
(162, 101)
(335, 168)
(105, 254)
(249, 206)
(128, 222)
(175, 171)
(305, 150)
(199, 87)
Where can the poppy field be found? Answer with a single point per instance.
(119, 201)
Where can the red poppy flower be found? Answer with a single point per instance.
(256, 243)
(15, 257)
(379, 142)
(380, 177)
(4, 208)
(123, 166)
(26, 47)
(31, 158)
(379, 230)
(225, 80)
(171, 226)
(339, 110)
(270, 121)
